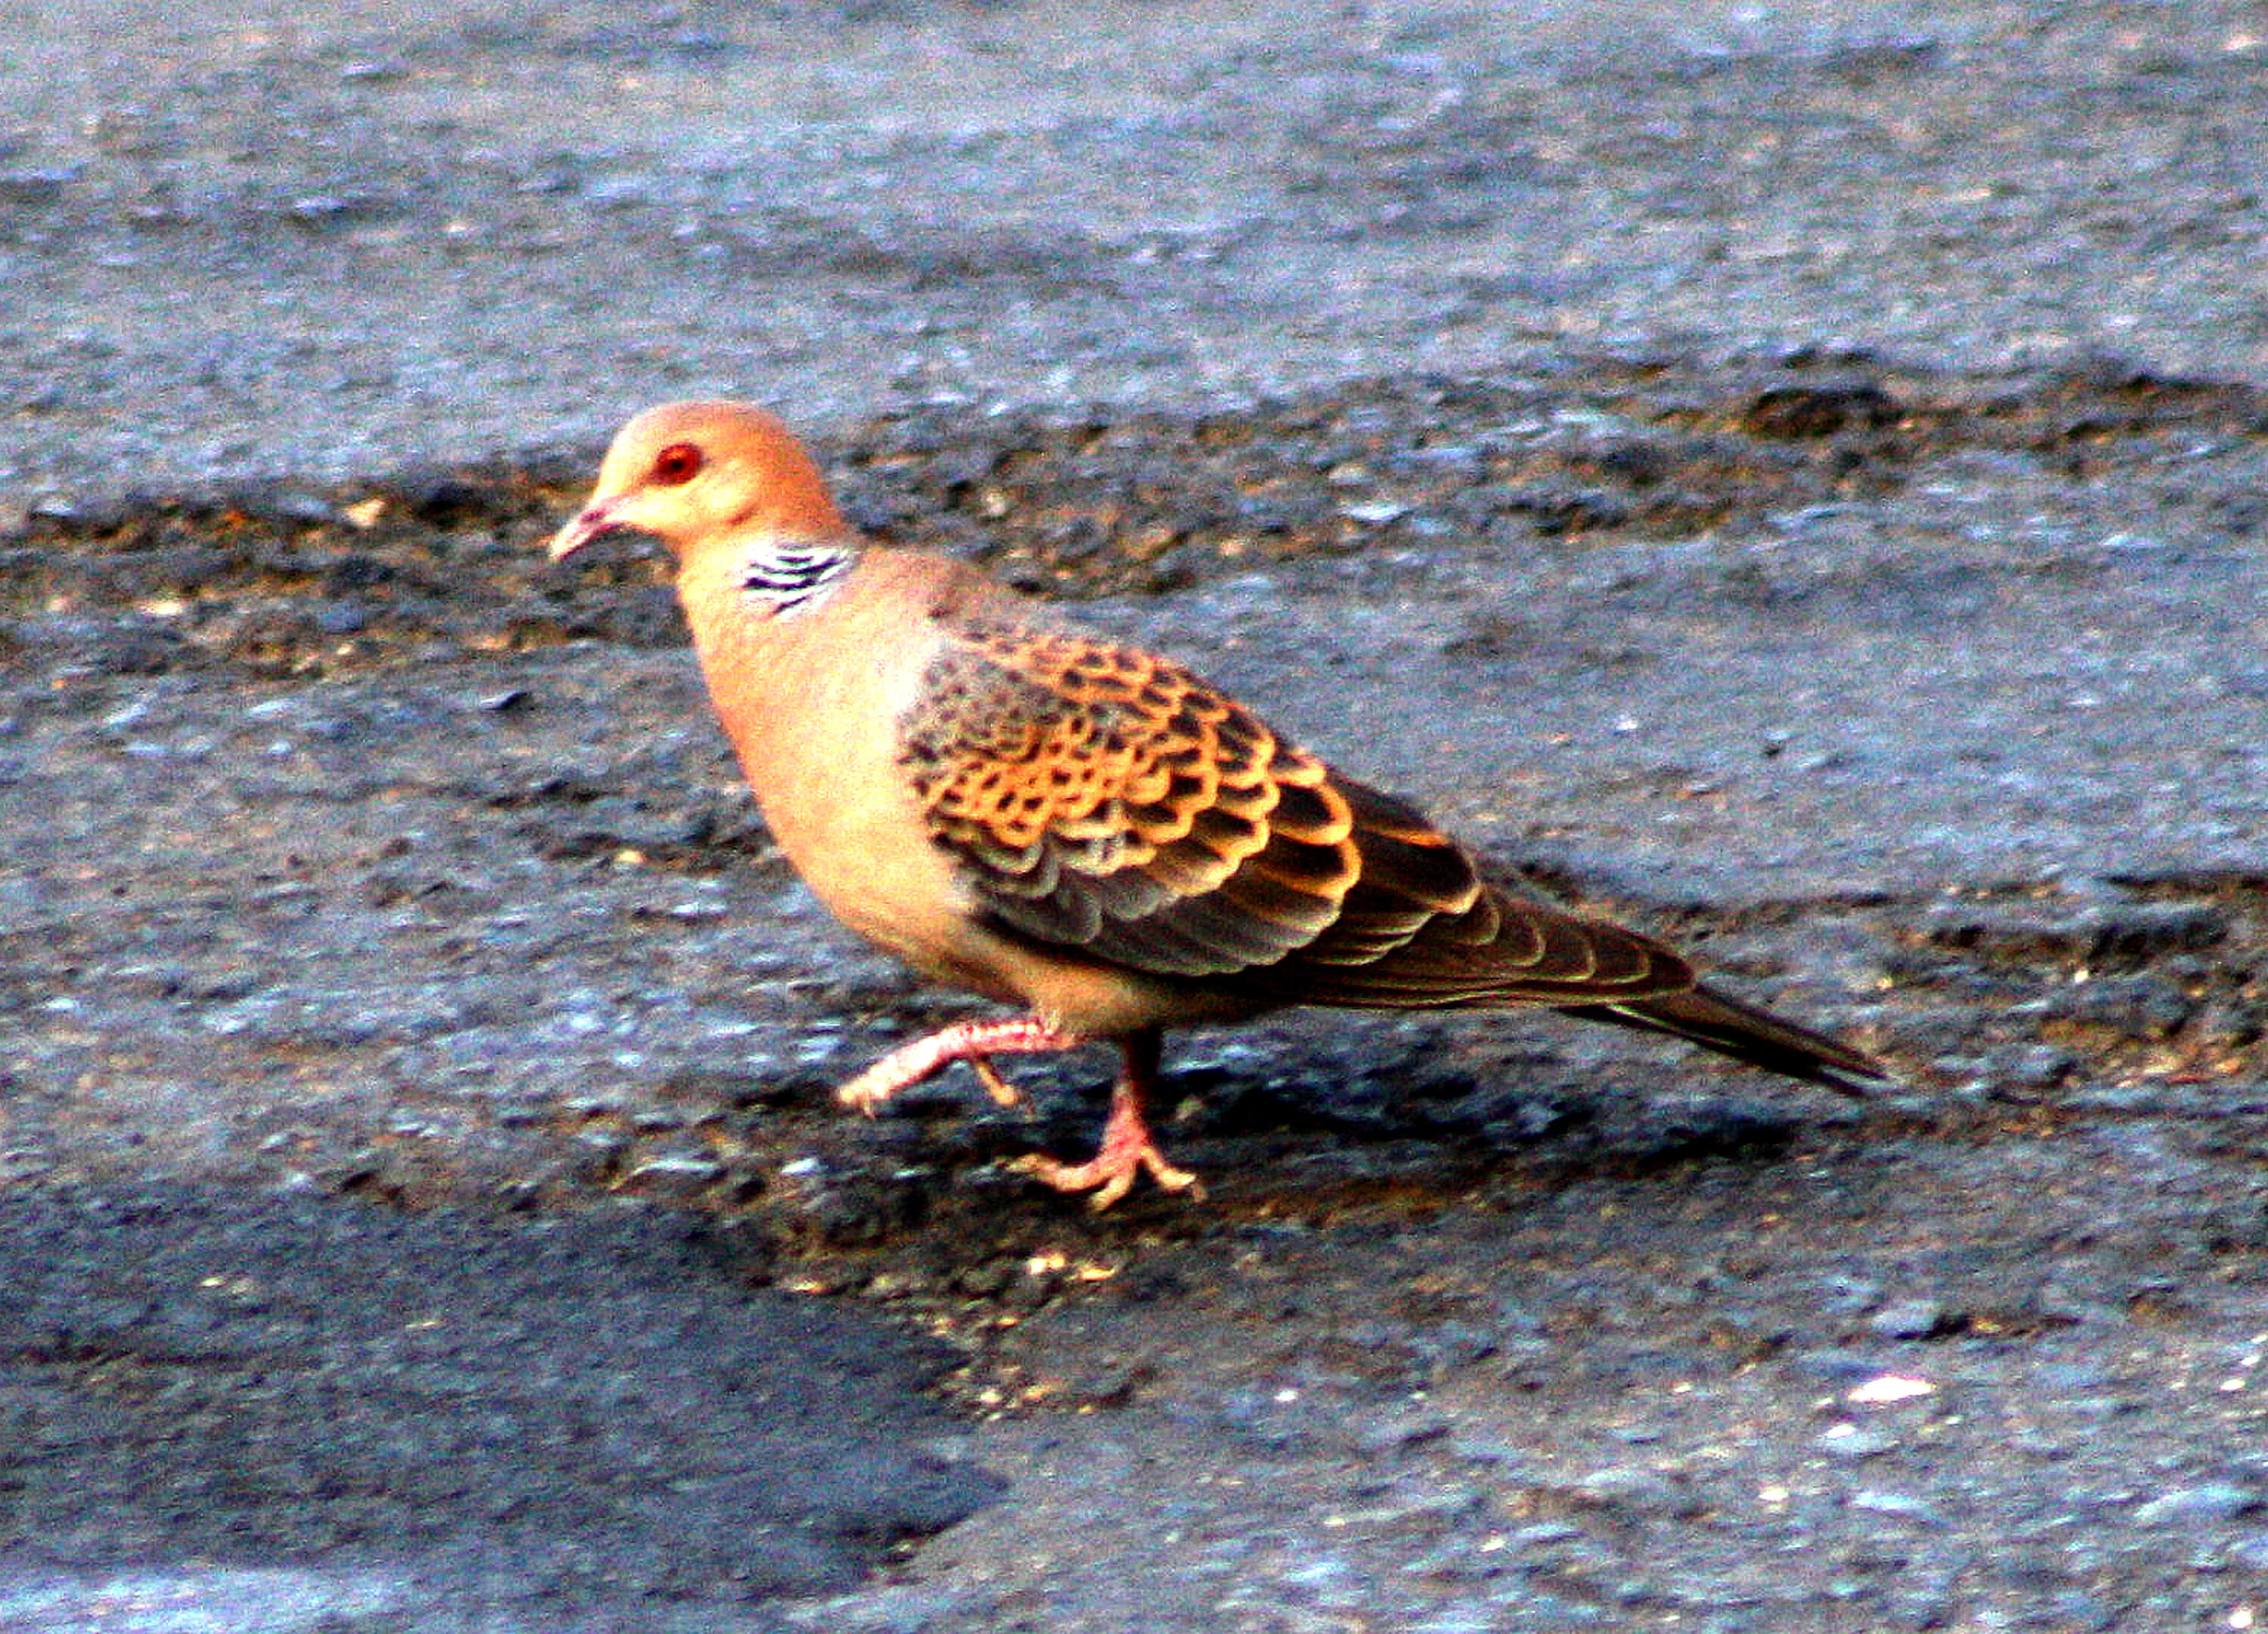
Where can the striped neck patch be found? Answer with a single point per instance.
(787, 578)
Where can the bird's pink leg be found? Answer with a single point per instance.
(1128, 1148)
(965, 1041)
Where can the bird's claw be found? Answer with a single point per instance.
(1110, 1173)
(1003, 1092)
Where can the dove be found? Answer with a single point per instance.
(1017, 806)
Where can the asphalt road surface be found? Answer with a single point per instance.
(1793, 476)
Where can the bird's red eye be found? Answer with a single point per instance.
(679, 462)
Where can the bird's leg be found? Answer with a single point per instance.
(965, 1041)
(1128, 1148)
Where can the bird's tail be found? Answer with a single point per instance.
(1703, 1016)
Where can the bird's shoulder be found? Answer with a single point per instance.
(1025, 724)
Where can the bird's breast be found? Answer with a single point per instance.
(811, 703)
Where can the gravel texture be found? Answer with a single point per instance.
(1792, 477)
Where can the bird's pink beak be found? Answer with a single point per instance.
(596, 519)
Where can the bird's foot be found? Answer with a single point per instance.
(1128, 1149)
(972, 1042)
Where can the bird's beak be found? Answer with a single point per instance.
(594, 520)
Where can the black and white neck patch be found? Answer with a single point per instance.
(785, 577)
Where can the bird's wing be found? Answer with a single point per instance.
(1103, 801)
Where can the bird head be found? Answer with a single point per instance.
(695, 472)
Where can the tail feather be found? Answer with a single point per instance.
(1703, 1016)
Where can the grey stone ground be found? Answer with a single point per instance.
(1793, 473)
(329, 241)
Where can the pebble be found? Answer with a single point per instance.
(1551, 1611)
(1322, 1573)
(1457, 1620)
(372, 72)
(676, 1173)
(1904, 1505)
(1448, 1504)
(1458, 1561)
(314, 209)
(2039, 1066)
(1487, 1449)
(1542, 1535)
(33, 187)
(1836, 1365)
(1850, 1441)
(1912, 1319)
(1402, 1429)
(2189, 1505)
(1375, 513)
(1634, 1491)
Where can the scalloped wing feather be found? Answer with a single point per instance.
(1106, 803)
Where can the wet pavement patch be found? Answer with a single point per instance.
(258, 1410)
